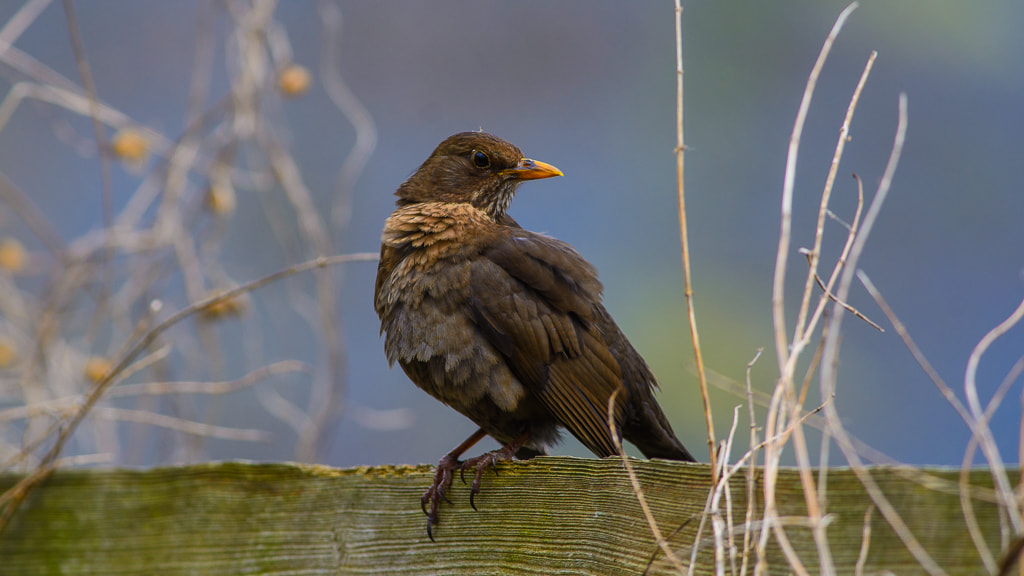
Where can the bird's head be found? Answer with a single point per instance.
(473, 168)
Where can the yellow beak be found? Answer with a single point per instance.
(527, 169)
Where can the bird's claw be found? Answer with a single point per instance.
(481, 464)
(438, 490)
(445, 474)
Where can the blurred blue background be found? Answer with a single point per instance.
(590, 87)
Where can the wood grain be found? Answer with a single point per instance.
(554, 515)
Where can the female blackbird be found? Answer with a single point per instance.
(502, 324)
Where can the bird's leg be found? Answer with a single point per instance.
(443, 479)
(490, 460)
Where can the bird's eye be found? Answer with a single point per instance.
(480, 160)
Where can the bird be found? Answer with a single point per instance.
(502, 324)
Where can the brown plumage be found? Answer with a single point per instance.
(502, 324)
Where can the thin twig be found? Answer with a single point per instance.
(210, 388)
(723, 528)
(22, 205)
(637, 490)
(20, 22)
(919, 356)
(698, 538)
(865, 543)
(815, 254)
(106, 179)
(851, 235)
(351, 107)
(982, 431)
(789, 181)
(829, 363)
(832, 297)
(684, 240)
(157, 388)
(179, 424)
(748, 534)
(967, 506)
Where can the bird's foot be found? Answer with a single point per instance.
(481, 463)
(437, 490)
(446, 468)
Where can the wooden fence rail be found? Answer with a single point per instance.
(548, 516)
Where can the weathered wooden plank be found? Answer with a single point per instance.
(547, 516)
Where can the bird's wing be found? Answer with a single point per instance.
(535, 299)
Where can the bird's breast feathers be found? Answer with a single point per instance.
(424, 238)
(428, 224)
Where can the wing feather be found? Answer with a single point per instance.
(535, 300)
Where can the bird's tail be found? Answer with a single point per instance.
(649, 430)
